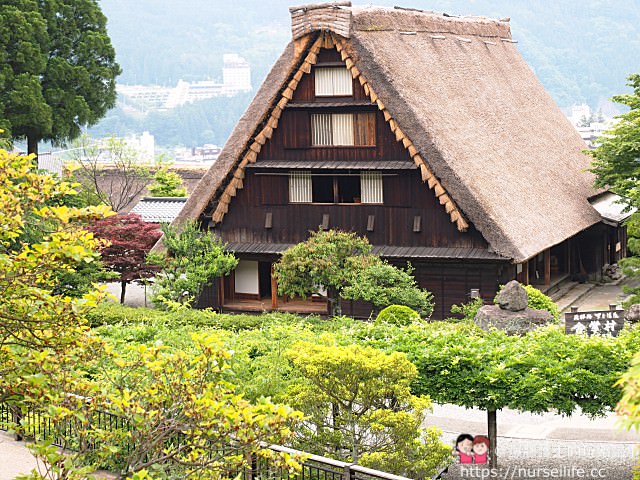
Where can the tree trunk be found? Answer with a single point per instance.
(32, 146)
(492, 428)
(333, 298)
(123, 290)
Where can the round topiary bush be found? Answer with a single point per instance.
(397, 315)
(540, 301)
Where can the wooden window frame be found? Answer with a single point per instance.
(363, 125)
(331, 90)
(333, 180)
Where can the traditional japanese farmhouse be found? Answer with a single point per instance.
(415, 129)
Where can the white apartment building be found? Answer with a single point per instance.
(236, 78)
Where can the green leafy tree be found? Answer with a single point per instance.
(164, 411)
(384, 284)
(615, 165)
(359, 408)
(194, 259)
(31, 315)
(81, 275)
(167, 184)
(35, 319)
(342, 263)
(24, 110)
(63, 75)
(327, 259)
(542, 370)
(629, 406)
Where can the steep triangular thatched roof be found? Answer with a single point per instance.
(490, 142)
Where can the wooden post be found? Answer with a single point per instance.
(232, 287)
(525, 272)
(547, 267)
(221, 291)
(492, 428)
(274, 289)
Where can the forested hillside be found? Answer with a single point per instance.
(582, 50)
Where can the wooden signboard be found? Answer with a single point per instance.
(606, 323)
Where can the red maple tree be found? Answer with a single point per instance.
(131, 238)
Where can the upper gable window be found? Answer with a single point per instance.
(343, 129)
(333, 82)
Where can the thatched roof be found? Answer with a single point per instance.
(488, 139)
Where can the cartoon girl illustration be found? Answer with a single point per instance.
(464, 448)
(480, 449)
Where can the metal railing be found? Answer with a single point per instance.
(314, 467)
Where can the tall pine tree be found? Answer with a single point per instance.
(58, 70)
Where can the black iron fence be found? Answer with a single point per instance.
(37, 425)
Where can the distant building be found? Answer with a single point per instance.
(236, 78)
(144, 145)
(589, 125)
(580, 114)
(236, 74)
(145, 96)
(207, 153)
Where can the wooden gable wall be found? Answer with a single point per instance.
(405, 195)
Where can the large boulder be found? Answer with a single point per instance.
(633, 313)
(513, 297)
(611, 273)
(493, 317)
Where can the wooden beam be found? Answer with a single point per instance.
(274, 289)
(220, 291)
(316, 6)
(547, 267)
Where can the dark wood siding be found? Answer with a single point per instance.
(209, 296)
(292, 140)
(451, 283)
(405, 197)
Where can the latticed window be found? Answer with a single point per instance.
(343, 129)
(333, 82)
(371, 187)
(305, 187)
(300, 187)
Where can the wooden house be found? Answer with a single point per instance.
(429, 134)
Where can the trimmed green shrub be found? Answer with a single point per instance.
(110, 313)
(397, 315)
(540, 301)
(467, 310)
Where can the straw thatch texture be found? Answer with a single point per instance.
(328, 17)
(488, 139)
(426, 173)
(492, 135)
(241, 138)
